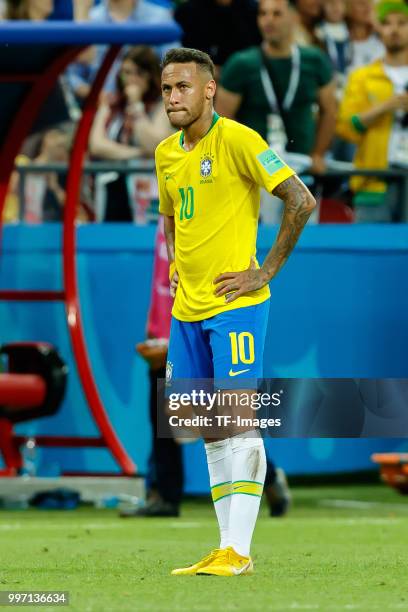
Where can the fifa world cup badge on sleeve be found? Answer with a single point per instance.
(270, 161)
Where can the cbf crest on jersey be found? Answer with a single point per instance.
(206, 168)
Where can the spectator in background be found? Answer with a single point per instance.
(45, 193)
(81, 9)
(309, 13)
(38, 10)
(63, 10)
(140, 11)
(366, 47)
(35, 10)
(122, 11)
(55, 149)
(334, 35)
(218, 27)
(374, 115)
(80, 75)
(117, 11)
(335, 38)
(55, 110)
(134, 121)
(130, 124)
(274, 88)
(72, 9)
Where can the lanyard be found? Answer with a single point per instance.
(293, 83)
(335, 56)
(333, 52)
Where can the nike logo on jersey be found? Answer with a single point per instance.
(232, 373)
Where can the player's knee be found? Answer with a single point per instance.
(309, 203)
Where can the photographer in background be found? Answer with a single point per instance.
(373, 115)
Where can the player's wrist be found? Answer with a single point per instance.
(265, 276)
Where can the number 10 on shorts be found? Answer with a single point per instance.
(242, 347)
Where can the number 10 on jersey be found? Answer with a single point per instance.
(242, 347)
(187, 203)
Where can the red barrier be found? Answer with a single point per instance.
(22, 390)
(18, 131)
(70, 279)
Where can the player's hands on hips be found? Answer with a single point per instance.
(238, 283)
(174, 284)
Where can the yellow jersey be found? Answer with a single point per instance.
(213, 192)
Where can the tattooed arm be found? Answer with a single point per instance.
(299, 204)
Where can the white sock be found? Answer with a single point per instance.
(219, 457)
(248, 477)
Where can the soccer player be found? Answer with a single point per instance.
(209, 175)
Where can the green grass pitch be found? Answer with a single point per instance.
(341, 548)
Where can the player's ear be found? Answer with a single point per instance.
(210, 89)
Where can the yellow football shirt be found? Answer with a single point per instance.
(213, 194)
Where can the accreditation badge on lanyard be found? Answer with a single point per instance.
(276, 132)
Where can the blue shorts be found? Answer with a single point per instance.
(227, 347)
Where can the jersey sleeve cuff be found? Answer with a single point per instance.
(281, 176)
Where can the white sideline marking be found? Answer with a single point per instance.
(299, 606)
(368, 521)
(81, 526)
(122, 523)
(359, 504)
(184, 525)
(58, 526)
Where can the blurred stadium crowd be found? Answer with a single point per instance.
(307, 75)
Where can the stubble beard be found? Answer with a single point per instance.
(188, 120)
(178, 124)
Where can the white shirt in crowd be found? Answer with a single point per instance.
(398, 144)
(364, 52)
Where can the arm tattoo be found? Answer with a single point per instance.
(299, 204)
